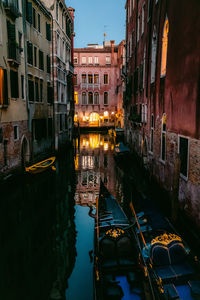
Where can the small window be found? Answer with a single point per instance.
(184, 151)
(163, 138)
(105, 98)
(89, 60)
(105, 78)
(84, 78)
(107, 59)
(37, 90)
(90, 78)
(22, 86)
(41, 90)
(34, 18)
(96, 98)
(75, 79)
(96, 60)
(16, 132)
(75, 60)
(48, 64)
(57, 10)
(152, 133)
(90, 98)
(35, 56)
(83, 60)
(31, 90)
(41, 60)
(14, 84)
(84, 98)
(61, 122)
(96, 78)
(29, 53)
(48, 31)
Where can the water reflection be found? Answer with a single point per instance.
(37, 234)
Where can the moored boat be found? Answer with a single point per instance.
(121, 150)
(116, 273)
(173, 269)
(41, 166)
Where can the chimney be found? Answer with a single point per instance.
(112, 43)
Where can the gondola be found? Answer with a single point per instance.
(41, 166)
(173, 269)
(116, 273)
(121, 150)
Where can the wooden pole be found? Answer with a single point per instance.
(138, 225)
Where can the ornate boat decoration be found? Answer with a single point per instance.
(166, 239)
(42, 166)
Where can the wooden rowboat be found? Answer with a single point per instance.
(42, 166)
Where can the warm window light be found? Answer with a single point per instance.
(1, 86)
(76, 97)
(164, 48)
(105, 113)
(75, 118)
(101, 117)
(84, 118)
(112, 113)
(105, 146)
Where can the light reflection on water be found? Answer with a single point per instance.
(93, 161)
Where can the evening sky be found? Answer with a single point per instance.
(94, 17)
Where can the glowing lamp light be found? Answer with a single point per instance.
(105, 146)
(101, 117)
(105, 113)
(112, 112)
(87, 118)
(84, 118)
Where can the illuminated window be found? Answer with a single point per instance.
(1, 85)
(105, 114)
(76, 97)
(153, 55)
(90, 78)
(84, 98)
(96, 98)
(164, 48)
(105, 98)
(90, 98)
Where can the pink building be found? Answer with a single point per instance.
(98, 84)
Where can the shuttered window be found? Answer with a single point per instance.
(48, 64)
(30, 90)
(183, 150)
(29, 16)
(48, 32)
(14, 84)
(41, 60)
(30, 52)
(11, 32)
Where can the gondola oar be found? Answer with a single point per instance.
(138, 225)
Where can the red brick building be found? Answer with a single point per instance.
(161, 102)
(98, 84)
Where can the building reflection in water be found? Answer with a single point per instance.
(93, 161)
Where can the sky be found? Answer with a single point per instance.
(94, 17)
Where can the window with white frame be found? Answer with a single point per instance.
(90, 98)
(143, 11)
(107, 59)
(96, 78)
(84, 98)
(105, 78)
(83, 60)
(105, 98)
(184, 155)
(152, 133)
(90, 61)
(90, 78)
(16, 132)
(96, 59)
(163, 138)
(164, 48)
(96, 98)
(144, 113)
(84, 78)
(153, 55)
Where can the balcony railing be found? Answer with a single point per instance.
(11, 7)
(92, 86)
(14, 53)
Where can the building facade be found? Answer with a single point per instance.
(162, 95)
(62, 74)
(97, 84)
(14, 136)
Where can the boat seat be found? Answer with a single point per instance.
(195, 288)
(177, 253)
(160, 255)
(125, 252)
(171, 291)
(165, 273)
(108, 253)
(113, 292)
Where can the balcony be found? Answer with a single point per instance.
(14, 53)
(12, 8)
(92, 86)
(69, 67)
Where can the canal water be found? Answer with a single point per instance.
(46, 233)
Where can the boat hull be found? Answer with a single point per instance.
(42, 166)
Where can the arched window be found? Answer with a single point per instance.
(90, 98)
(96, 78)
(90, 78)
(163, 137)
(96, 98)
(153, 55)
(84, 78)
(84, 98)
(164, 48)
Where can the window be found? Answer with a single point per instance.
(152, 133)
(34, 18)
(163, 138)
(22, 86)
(153, 55)
(184, 151)
(41, 60)
(16, 132)
(96, 98)
(49, 93)
(48, 64)
(30, 90)
(14, 84)
(138, 28)
(143, 11)
(164, 48)
(3, 87)
(89, 60)
(75, 60)
(105, 78)
(37, 90)
(90, 98)
(84, 98)
(96, 78)
(41, 90)
(29, 53)
(76, 97)
(48, 32)
(133, 3)
(39, 23)
(90, 78)
(61, 122)
(35, 56)
(57, 10)
(107, 59)
(83, 60)
(96, 60)
(29, 15)
(66, 123)
(105, 98)
(20, 40)
(75, 79)
(84, 78)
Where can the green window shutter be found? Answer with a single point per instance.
(29, 11)
(11, 31)
(5, 87)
